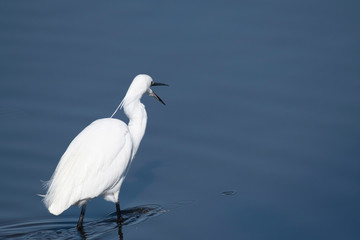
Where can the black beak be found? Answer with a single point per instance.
(158, 84)
(154, 94)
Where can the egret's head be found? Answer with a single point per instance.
(139, 86)
(142, 84)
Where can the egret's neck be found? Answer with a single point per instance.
(136, 113)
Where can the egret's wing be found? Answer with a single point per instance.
(93, 163)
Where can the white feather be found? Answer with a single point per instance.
(86, 170)
(98, 159)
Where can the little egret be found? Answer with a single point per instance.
(98, 159)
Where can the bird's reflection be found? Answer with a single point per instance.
(129, 217)
(84, 235)
(120, 233)
(92, 229)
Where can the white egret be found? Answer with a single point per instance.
(98, 159)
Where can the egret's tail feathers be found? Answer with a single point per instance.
(55, 209)
(41, 195)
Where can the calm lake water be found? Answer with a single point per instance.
(259, 138)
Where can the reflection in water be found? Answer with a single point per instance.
(102, 228)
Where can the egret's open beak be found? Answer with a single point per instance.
(158, 84)
(152, 93)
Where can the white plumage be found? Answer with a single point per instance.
(97, 160)
(86, 170)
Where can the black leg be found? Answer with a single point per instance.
(81, 218)
(119, 218)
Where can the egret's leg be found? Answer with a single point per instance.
(81, 218)
(119, 218)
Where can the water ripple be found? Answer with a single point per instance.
(104, 228)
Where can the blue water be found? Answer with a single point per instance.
(259, 138)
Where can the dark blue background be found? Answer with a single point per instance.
(264, 100)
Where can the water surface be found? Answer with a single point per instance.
(259, 138)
